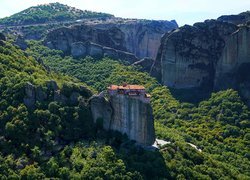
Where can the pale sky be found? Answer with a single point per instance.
(183, 11)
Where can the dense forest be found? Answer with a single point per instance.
(47, 130)
(218, 126)
(47, 13)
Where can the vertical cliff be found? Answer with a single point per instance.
(130, 115)
(212, 55)
(232, 70)
(235, 53)
(143, 37)
(139, 37)
(133, 117)
(187, 55)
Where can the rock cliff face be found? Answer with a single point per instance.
(241, 18)
(212, 55)
(187, 55)
(139, 37)
(101, 110)
(52, 92)
(125, 114)
(232, 69)
(63, 38)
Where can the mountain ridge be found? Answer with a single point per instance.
(52, 12)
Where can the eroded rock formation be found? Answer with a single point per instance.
(138, 37)
(141, 37)
(51, 92)
(80, 49)
(188, 54)
(212, 55)
(241, 18)
(130, 115)
(232, 69)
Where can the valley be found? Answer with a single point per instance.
(63, 117)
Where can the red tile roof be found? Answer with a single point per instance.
(127, 86)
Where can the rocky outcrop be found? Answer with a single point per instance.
(147, 65)
(128, 115)
(63, 38)
(187, 55)
(133, 117)
(232, 69)
(212, 55)
(241, 18)
(80, 49)
(34, 94)
(141, 37)
(30, 95)
(101, 110)
(138, 37)
(2, 39)
(20, 41)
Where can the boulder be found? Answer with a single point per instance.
(59, 97)
(30, 95)
(235, 53)
(52, 85)
(73, 99)
(133, 117)
(41, 94)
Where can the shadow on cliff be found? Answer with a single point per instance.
(193, 95)
(149, 162)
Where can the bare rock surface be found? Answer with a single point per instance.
(212, 55)
(125, 114)
(138, 37)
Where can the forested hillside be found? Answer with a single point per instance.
(46, 140)
(219, 126)
(46, 126)
(47, 13)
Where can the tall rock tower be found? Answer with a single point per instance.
(127, 110)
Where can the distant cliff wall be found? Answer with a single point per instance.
(143, 38)
(232, 69)
(139, 37)
(212, 55)
(187, 55)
